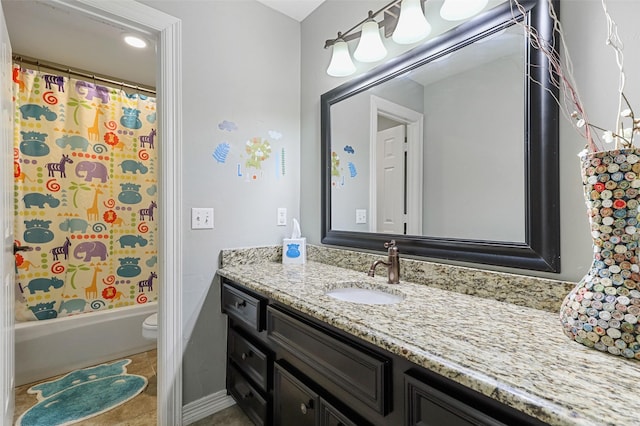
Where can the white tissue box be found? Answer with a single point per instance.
(294, 251)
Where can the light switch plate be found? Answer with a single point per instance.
(201, 218)
(361, 216)
(282, 216)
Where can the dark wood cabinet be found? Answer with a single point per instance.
(347, 369)
(294, 402)
(286, 368)
(427, 406)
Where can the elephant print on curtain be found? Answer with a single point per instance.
(85, 169)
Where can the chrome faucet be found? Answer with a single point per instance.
(393, 264)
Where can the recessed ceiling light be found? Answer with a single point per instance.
(135, 41)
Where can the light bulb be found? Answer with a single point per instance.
(341, 64)
(457, 10)
(412, 25)
(135, 41)
(370, 47)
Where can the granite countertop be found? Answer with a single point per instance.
(514, 354)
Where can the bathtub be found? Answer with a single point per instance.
(56, 346)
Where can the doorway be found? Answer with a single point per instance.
(407, 183)
(165, 30)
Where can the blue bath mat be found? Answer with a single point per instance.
(82, 394)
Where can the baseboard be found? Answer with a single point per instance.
(206, 406)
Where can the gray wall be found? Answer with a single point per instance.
(350, 126)
(596, 76)
(470, 190)
(241, 63)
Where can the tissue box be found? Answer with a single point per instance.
(294, 251)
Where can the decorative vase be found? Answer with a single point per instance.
(603, 310)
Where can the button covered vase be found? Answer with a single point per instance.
(602, 311)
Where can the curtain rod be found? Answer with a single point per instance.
(82, 73)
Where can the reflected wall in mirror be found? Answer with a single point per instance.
(477, 178)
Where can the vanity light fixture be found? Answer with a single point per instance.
(403, 20)
(457, 10)
(412, 25)
(370, 47)
(341, 64)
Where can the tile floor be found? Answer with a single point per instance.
(232, 416)
(141, 410)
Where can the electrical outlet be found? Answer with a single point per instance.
(201, 218)
(361, 216)
(282, 216)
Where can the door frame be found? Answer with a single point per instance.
(166, 31)
(415, 130)
(7, 259)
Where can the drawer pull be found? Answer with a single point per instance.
(240, 304)
(304, 408)
(246, 355)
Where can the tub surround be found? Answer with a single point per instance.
(95, 337)
(515, 354)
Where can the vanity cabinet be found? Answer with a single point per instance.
(297, 404)
(286, 368)
(249, 359)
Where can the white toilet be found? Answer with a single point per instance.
(150, 327)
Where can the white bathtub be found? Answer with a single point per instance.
(56, 346)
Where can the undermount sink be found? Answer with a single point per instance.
(367, 296)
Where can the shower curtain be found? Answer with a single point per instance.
(85, 168)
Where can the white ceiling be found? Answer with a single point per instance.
(296, 9)
(37, 29)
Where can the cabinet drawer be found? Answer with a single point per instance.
(294, 403)
(249, 358)
(330, 416)
(243, 307)
(248, 398)
(427, 406)
(349, 370)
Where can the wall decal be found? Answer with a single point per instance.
(221, 152)
(259, 150)
(335, 164)
(229, 126)
(352, 169)
(275, 135)
(349, 149)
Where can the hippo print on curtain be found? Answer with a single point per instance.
(85, 169)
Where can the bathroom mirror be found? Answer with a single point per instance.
(450, 149)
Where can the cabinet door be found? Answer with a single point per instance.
(330, 416)
(294, 403)
(348, 370)
(427, 406)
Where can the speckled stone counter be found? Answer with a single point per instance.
(514, 354)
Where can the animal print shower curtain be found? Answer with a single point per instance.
(85, 168)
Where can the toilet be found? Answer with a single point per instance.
(150, 327)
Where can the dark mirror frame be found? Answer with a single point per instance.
(541, 249)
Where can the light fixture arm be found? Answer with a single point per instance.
(348, 36)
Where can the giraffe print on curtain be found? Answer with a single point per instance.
(85, 169)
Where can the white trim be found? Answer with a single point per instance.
(206, 406)
(415, 131)
(166, 29)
